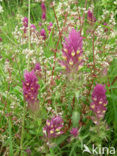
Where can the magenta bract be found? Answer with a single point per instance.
(74, 132)
(32, 26)
(72, 51)
(30, 87)
(90, 16)
(44, 16)
(43, 33)
(37, 67)
(50, 26)
(53, 127)
(43, 7)
(25, 22)
(99, 101)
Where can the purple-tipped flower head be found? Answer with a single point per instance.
(37, 67)
(28, 151)
(50, 26)
(32, 26)
(72, 51)
(43, 7)
(106, 29)
(90, 16)
(74, 132)
(30, 87)
(40, 24)
(53, 127)
(44, 16)
(99, 101)
(25, 22)
(0, 39)
(43, 33)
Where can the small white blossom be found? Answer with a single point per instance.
(1, 9)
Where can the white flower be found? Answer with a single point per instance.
(1, 9)
(115, 2)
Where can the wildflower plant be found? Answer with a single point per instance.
(57, 76)
(72, 51)
(30, 87)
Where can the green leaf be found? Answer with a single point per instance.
(77, 94)
(60, 139)
(75, 118)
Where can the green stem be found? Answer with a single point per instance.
(29, 24)
(28, 29)
(10, 138)
(22, 133)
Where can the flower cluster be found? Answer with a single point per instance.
(53, 127)
(43, 33)
(74, 132)
(90, 16)
(1, 9)
(50, 26)
(72, 51)
(99, 102)
(43, 8)
(33, 27)
(30, 87)
(37, 67)
(25, 23)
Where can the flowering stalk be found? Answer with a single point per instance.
(90, 17)
(22, 131)
(53, 127)
(43, 8)
(99, 103)
(10, 137)
(58, 40)
(57, 24)
(29, 24)
(93, 54)
(24, 109)
(72, 52)
(30, 87)
(74, 132)
(82, 22)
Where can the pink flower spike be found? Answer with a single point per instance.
(74, 132)
(90, 16)
(43, 33)
(25, 22)
(53, 127)
(50, 26)
(37, 67)
(40, 24)
(30, 87)
(99, 101)
(43, 16)
(43, 7)
(72, 51)
(32, 26)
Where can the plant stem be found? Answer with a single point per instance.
(28, 29)
(93, 54)
(10, 138)
(22, 133)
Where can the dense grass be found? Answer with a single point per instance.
(61, 93)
